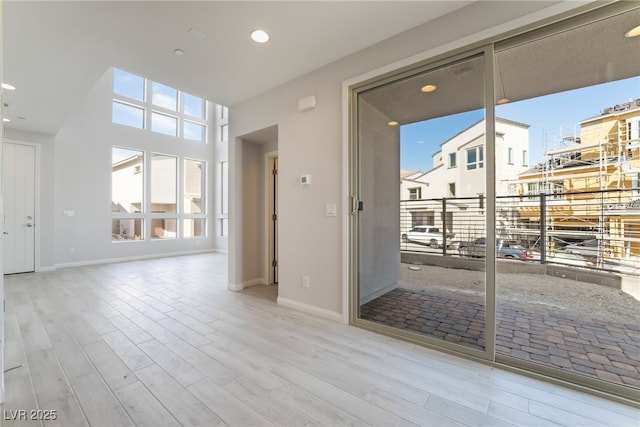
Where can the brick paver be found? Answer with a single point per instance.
(607, 351)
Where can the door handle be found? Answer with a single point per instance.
(29, 225)
(6, 233)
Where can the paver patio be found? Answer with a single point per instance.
(607, 351)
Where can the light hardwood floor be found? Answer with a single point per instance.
(163, 343)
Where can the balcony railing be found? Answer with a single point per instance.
(597, 230)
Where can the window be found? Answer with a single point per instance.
(224, 199)
(475, 158)
(127, 190)
(525, 158)
(164, 179)
(633, 129)
(128, 115)
(194, 208)
(451, 189)
(510, 155)
(415, 193)
(164, 96)
(194, 131)
(194, 106)
(162, 123)
(452, 160)
(532, 190)
(128, 85)
(222, 119)
(133, 210)
(168, 111)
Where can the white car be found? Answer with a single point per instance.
(431, 236)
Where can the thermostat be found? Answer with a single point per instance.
(305, 179)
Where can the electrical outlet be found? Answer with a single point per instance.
(305, 281)
(72, 251)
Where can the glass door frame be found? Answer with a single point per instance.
(487, 53)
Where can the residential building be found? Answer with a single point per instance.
(592, 182)
(458, 173)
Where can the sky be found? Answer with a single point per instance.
(550, 117)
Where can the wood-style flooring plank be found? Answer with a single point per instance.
(98, 403)
(184, 406)
(143, 408)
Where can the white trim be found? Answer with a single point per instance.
(131, 258)
(261, 281)
(267, 173)
(311, 309)
(235, 287)
(346, 203)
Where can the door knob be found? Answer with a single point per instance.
(29, 225)
(6, 233)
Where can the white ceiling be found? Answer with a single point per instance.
(54, 52)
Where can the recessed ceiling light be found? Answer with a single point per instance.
(392, 123)
(428, 88)
(634, 32)
(179, 52)
(259, 36)
(502, 101)
(7, 86)
(4, 119)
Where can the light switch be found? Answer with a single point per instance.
(330, 209)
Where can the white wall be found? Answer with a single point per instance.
(83, 183)
(310, 142)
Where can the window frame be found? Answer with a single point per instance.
(151, 109)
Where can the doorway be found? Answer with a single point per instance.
(19, 166)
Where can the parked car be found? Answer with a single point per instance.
(478, 249)
(586, 248)
(431, 236)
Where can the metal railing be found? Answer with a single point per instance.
(596, 229)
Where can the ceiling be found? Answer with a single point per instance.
(54, 52)
(570, 59)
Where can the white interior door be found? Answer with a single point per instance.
(19, 197)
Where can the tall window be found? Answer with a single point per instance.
(510, 155)
(133, 210)
(475, 158)
(127, 194)
(164, 193)
(193, 200)
(525, 158)
(145, 104)
(223, 217)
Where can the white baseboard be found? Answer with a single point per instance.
(131, 258)
(45, 269)
(235, 287)
(246, 284)
(310, 309)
